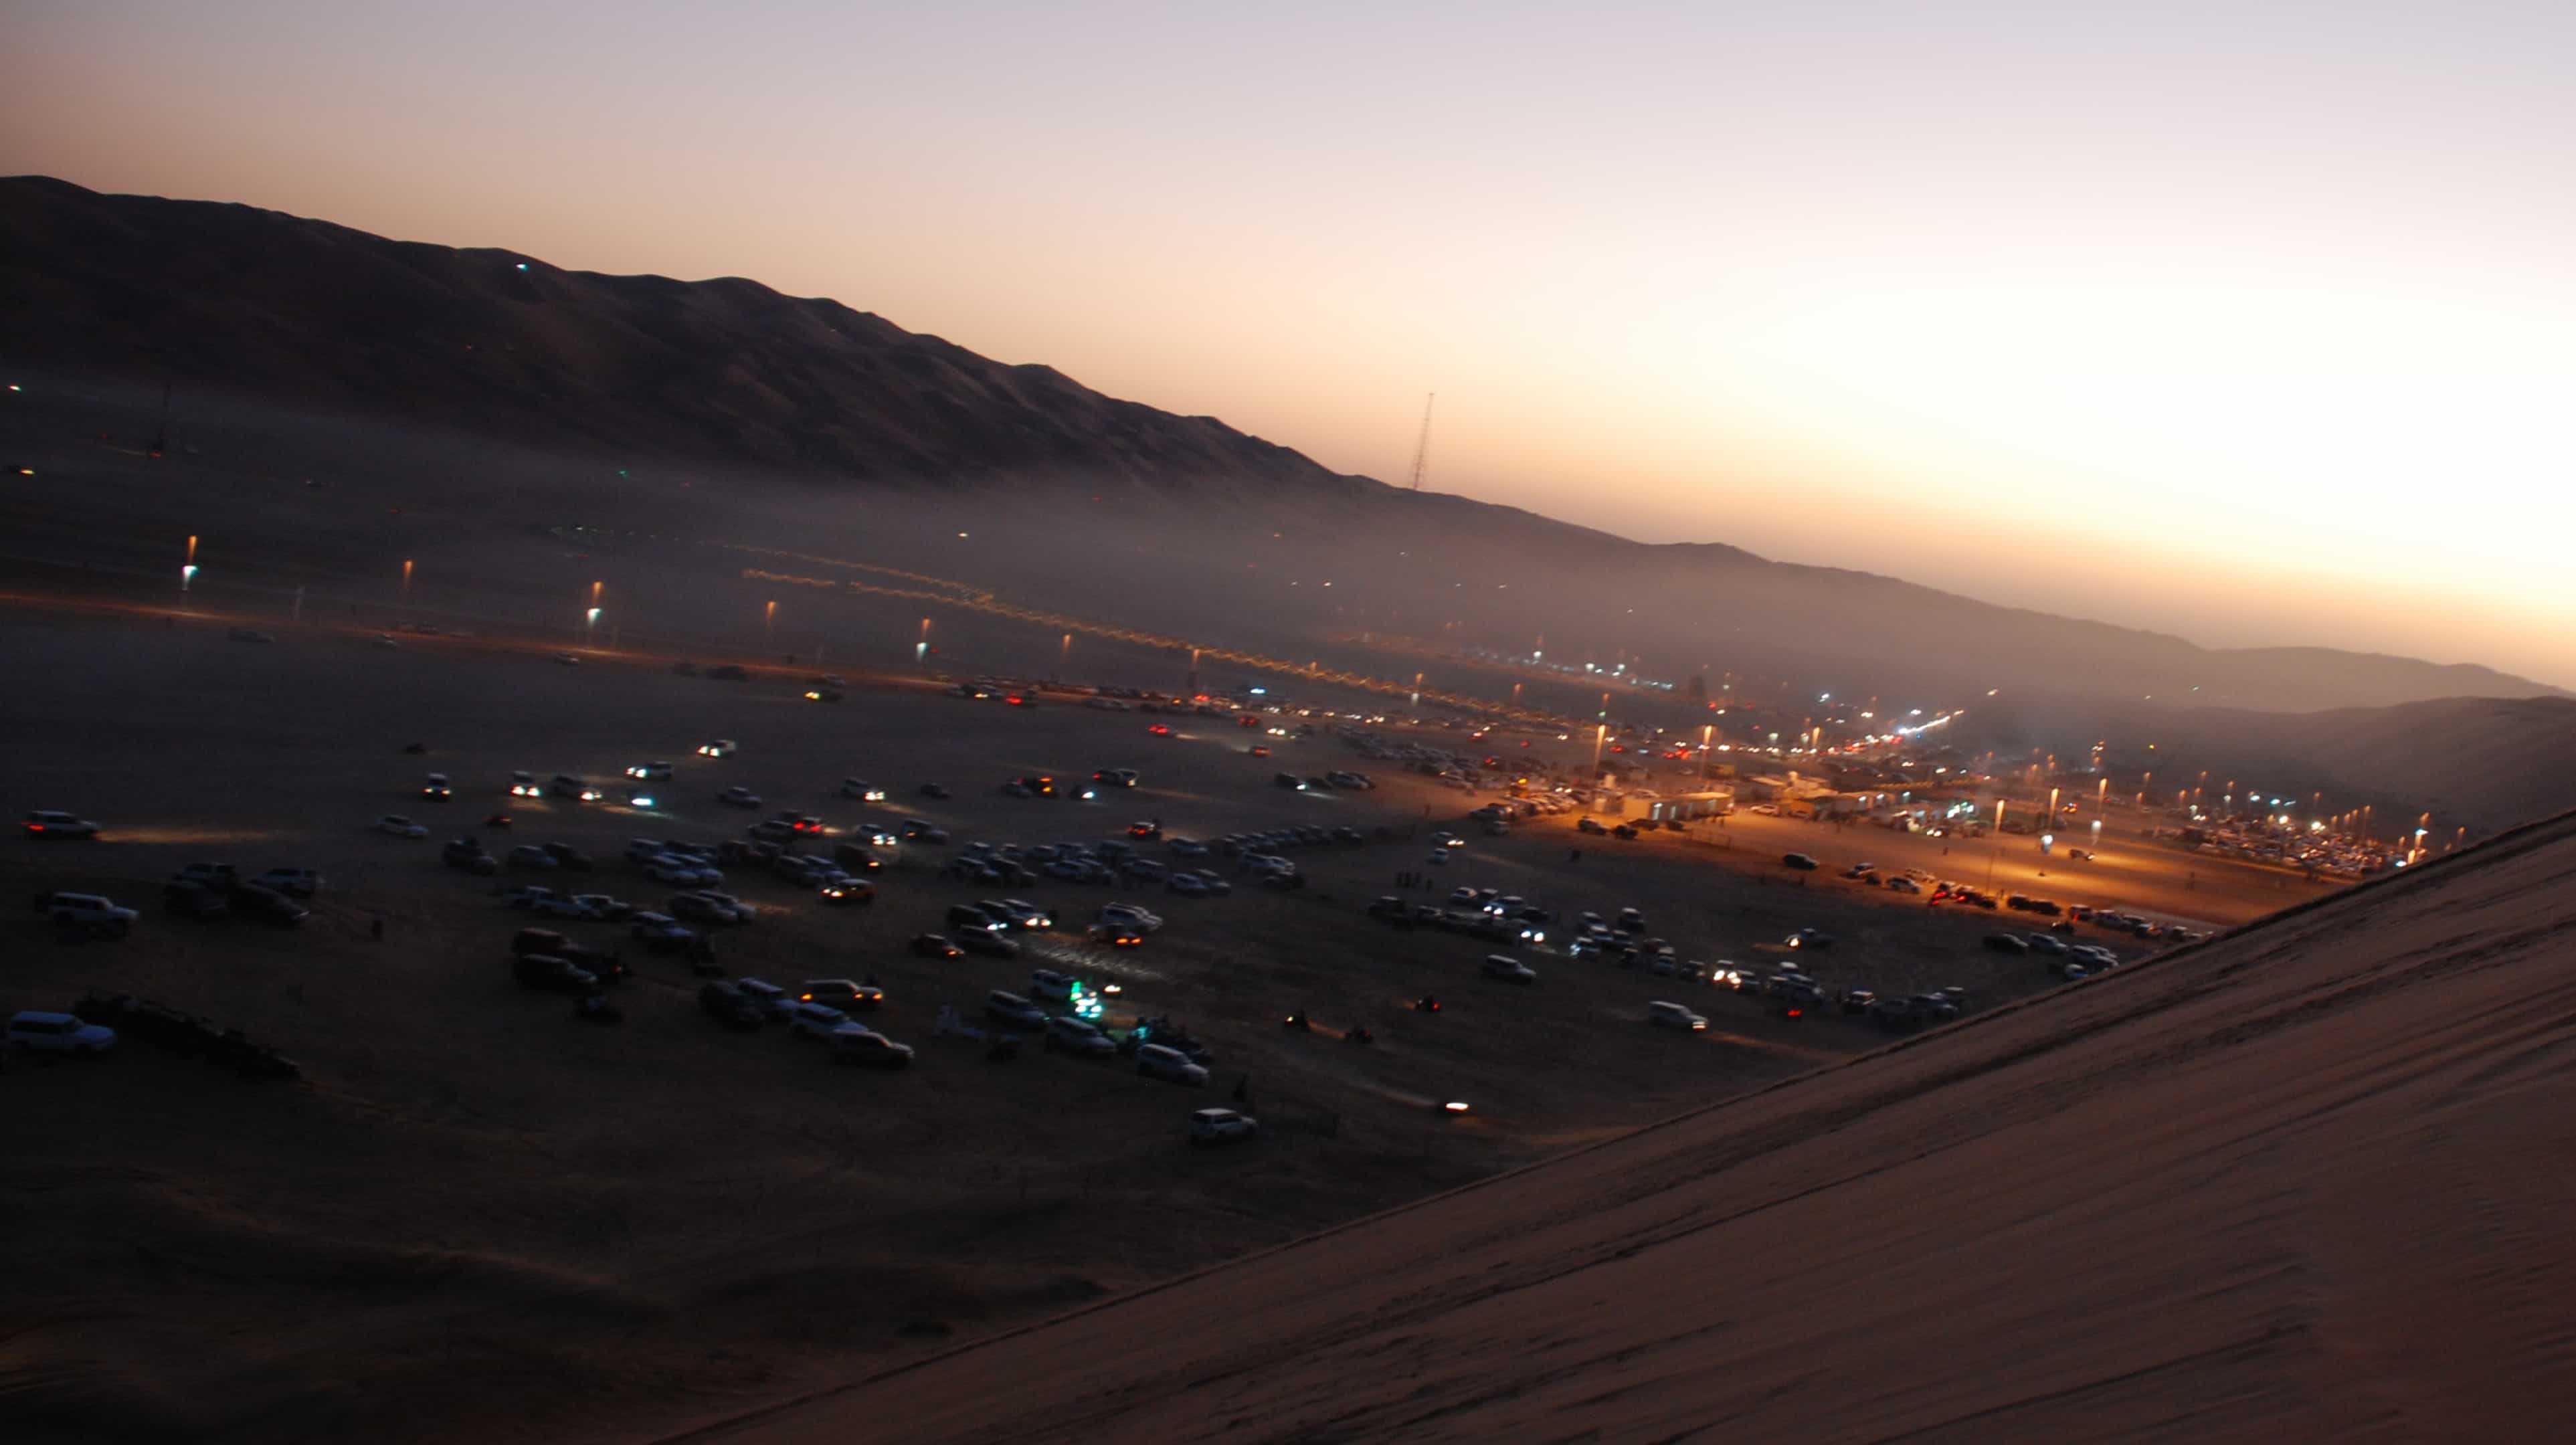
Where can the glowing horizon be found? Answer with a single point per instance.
(2248, 327)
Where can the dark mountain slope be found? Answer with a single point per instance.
(320, 318)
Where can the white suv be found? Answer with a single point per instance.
(1215, 1126)
(58, 1034)
(1162, 1061)
(85, 910)
(1128, 915)
(59, 825)
(1674, 1016)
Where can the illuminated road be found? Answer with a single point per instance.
(961, 595)
(2203, 891)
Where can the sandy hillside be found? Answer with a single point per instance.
(2309, 1182)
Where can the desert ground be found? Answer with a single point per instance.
(476, 1213)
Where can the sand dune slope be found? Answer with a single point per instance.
(2311, 1181)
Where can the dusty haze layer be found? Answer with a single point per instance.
(2097, 309)
(646, 374)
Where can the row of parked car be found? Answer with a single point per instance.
(818, 1009)
(96, 1022)
(1159, 1048)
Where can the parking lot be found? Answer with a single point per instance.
(672, 1159)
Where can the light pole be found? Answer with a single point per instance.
(406, 585)
(921, 648)
(1996, 852)
(769, 618)
(188, 565)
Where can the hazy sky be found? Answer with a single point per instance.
(2252, 322)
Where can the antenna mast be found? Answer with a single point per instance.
(1422, 449)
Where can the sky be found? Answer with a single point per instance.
(2251, 323)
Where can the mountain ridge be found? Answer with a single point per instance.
(727, 370)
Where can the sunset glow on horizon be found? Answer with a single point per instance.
(2253, 326)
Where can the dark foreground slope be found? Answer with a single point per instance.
(2308, 1182)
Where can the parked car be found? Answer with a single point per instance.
(1674, 1016)
(705, 908)
(37, 1031)
(867, 1048)
(91, 911)
(467, 854)
(395, 825)
(1799, 861)
(1078, 1036)
(268, 906)
(845, 994)
(814, 1020)
(772, 1001)
(988, 942)
(1161, 1061)
(1011, 1008)
(47, 824)
(187, 899)
(1220, 1126)
(293, 882)
(662, 933)
(933, 945)
(727, 1004)
(1507, 968)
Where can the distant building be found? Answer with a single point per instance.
(1686, 806)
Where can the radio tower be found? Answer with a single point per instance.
(1422, 449)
